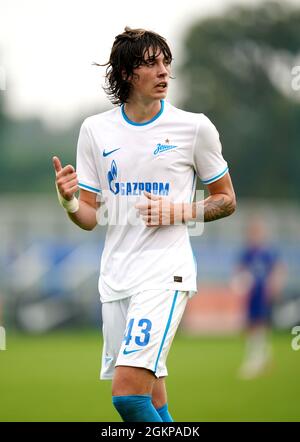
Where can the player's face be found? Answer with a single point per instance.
(150, 80)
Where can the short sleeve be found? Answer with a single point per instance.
(85, 163)
(207, 154)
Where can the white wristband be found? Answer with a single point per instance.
(71, 206)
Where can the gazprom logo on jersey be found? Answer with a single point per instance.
(134, 188)
(160, 148)
(111, 176)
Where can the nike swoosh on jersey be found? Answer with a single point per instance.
(105, 154)
(127, 352)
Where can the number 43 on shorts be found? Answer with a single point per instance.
(145, 327)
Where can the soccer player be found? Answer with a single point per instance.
(142, 158)
(260, 276)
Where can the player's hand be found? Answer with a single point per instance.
(159, 211)
(66, 179)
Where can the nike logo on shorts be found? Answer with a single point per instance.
(127, 352)
(105, 154)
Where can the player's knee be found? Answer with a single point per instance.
(132, 381)
(159, 393)
(159, 397)
(124, 383)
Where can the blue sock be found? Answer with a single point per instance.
(164, 413)
(136, 408)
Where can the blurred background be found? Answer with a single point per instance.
(239, 63)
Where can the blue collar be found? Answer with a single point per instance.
(162, 105)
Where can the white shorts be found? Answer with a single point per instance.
(138, 331)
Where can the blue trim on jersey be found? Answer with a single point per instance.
(166, 330)
(215, 177)
(89, 187)
(162, 105)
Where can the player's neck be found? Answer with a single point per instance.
(140, 111)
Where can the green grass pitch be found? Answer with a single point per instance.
(55, 378)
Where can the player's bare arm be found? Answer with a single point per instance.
(220, 203)
(67, 185)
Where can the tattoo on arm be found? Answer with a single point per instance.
(216, 209)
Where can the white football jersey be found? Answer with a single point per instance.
(120, 159)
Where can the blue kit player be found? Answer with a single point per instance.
(140, 161)
(260, 275)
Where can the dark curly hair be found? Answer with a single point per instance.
(128, 53)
